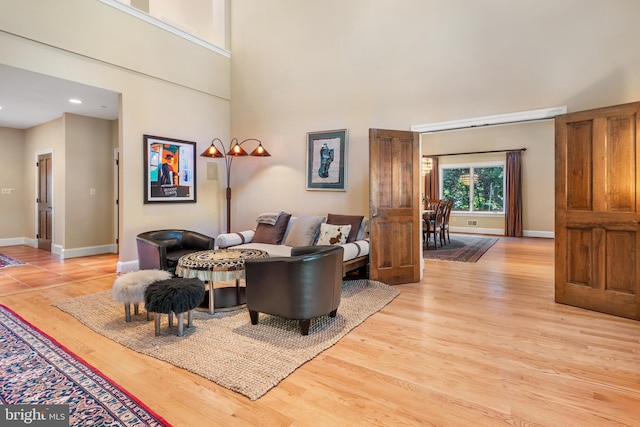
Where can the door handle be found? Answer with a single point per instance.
(374, 215)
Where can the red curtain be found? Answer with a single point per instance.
(513, 217)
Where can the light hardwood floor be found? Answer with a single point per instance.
(470, 345)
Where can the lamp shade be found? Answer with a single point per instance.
(237, 150)
(260, 151)
(211, 151)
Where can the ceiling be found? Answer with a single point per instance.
(29, 99)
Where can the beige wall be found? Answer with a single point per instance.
(73, 140)
(360, 64)
(99, 34)
(82, 153)
(45, 138)
(12, 176)
(169, 87)
(300, 67)
(89, 166)
(537, 170)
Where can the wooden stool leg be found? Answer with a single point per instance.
(157, 324)
(189, 318)
(127, 312)
(211, 298)
(180, 324)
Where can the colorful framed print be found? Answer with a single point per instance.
(169, 170)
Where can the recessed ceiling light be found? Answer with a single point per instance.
(75, 101)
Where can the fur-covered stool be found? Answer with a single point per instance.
(129, 288)
(171, 296)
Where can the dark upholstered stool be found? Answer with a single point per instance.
(129, 288)
(171, 296)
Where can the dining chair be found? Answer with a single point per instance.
(427, 218)
(426, 227)
(432, 204)
(445, 221)
(435, 225)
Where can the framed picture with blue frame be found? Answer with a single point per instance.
(169, 170)
(327, 160)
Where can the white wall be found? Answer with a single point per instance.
(205, 19)
(360, 64)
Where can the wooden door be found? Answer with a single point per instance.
(597, 210)
(45, 202)
(394, 211)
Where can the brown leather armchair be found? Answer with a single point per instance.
(161, 249)
(306, 285)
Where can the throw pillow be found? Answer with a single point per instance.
(354, 220)
(272, 234)
(304, 230)
(333, 234)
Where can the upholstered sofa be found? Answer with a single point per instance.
(278, 233)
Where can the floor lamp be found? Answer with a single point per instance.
(235, 151)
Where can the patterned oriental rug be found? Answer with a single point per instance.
(461, 249)
(35, 369)
(7, 261)
(225, 347)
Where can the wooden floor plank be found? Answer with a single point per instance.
(480, 344)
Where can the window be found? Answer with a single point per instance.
(475, 187)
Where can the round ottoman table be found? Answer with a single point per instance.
(129, 288)
(171, 296)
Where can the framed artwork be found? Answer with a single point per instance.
(169, 170)
(327, 160)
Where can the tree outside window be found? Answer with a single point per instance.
(472, 188)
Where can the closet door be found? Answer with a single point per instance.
(45, 202)
(597, 210)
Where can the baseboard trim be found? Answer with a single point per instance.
(476, 230)
(543, 234)
(500, 232)
(125, 267)
(86, 251)
(15, 241)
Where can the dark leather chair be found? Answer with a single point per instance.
(306, 285)
(161, 249)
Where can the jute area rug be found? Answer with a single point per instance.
(225, 347)
(461, 249)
